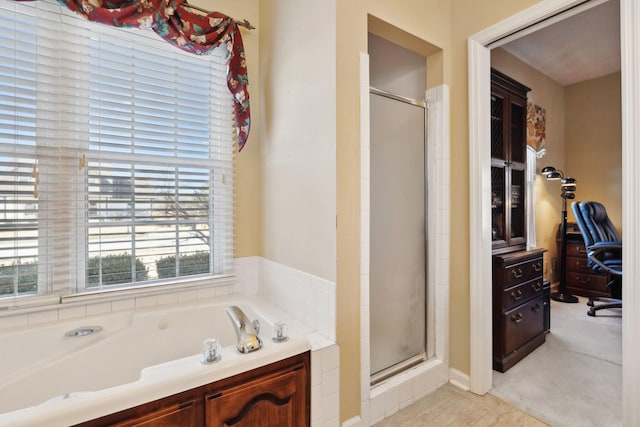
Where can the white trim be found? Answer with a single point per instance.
(479, 94)
(480, 363)
(459, 379)
(530, 195)
(630, 86)
(353, 422)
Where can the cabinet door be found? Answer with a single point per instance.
(508, 162)
(277, 401)
(171, 416)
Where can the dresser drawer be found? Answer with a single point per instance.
(518, 294)
(587, 281)
(523, 323)
(522, 272)
(576, 249)
(578, 265)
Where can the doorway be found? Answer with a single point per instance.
(479, 132)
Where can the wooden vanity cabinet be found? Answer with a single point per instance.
(179, 414)
(276, 395)
(278, 400)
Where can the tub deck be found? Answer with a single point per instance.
(137, 357)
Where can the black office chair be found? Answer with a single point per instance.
(604, 250)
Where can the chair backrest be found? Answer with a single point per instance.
(594, 223)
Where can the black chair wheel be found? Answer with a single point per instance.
(591, 313)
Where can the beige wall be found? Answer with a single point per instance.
(549, 95)
(248, 170)
(298, 79)
(594, 142)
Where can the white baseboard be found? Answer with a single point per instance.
(353, 422)
(459, 379)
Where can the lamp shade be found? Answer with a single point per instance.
(555, 175)
(547, 170)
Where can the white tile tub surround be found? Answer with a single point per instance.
(309, 299)
(253, 276)
(90, 305)
(388, 397)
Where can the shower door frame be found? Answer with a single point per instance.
(429, 350)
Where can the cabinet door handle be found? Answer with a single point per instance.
(517, 273)
(536, 286)
(516, 295)
(537, 266)
(516, 318)
(536, 307)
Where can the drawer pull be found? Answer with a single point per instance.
(580, 250)
(516, 318)
(536, 286)
(537, 266)
(516, 295)
(582, 281)
(536, 307)
(517, 273)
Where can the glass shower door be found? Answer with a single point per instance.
(398, 234)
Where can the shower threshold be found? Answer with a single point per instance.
(393, 370)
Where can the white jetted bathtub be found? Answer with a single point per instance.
(72, 371)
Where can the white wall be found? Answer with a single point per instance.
(298, 136)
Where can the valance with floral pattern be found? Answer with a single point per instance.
(190, 31)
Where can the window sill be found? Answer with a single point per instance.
(36, 303)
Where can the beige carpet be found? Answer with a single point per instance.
(575, 377)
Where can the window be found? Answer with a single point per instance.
(116, 156)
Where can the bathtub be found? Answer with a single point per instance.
(50, 378)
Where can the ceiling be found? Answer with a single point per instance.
(581, 47)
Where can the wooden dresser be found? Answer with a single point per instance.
(518, 306)
(581, 279)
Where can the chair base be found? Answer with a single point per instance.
(608, 303)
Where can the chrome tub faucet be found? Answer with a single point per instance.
(246, 333)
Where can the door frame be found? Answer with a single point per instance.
(480, 375)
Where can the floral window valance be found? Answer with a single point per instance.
(190, 31)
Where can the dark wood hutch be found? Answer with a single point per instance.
(518, 302)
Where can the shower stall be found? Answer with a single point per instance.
(398, 254)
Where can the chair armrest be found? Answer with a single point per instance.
(607, 255)
(599, 246)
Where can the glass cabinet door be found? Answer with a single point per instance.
(508, 164)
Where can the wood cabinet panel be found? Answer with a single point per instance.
(176, 415)
(518, 306)
(581, 279)
(508, 162)
(277, 402)
(515, 295)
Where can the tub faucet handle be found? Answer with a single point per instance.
(210, 351)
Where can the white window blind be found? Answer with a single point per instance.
(116, 156)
